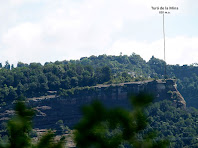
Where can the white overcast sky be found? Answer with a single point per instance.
(50, 30)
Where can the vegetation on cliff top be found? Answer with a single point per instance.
(35, 79)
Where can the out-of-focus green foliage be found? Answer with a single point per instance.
(20, 126)
(101, 127)
(19, 130)
(47, 141)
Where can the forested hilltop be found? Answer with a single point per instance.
(177, 125)
(35, 79)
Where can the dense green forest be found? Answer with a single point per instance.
(66, 77)
(35, 79)
(175, 124)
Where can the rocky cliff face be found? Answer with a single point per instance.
(52, 109)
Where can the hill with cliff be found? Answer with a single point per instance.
(34, 79)
(168, 113)
(58, 90)
(64, 106)
(67, 107)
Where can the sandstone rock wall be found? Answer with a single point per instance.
(50, 110)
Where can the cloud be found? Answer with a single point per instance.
(179, 50)
(73, 29)
(68, 30)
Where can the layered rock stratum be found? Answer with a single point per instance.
(53, 108)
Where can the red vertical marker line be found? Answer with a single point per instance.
(164, 50)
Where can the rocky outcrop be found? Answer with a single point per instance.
(51, 110)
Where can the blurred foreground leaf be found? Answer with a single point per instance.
(102, 127)
(20, 127)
